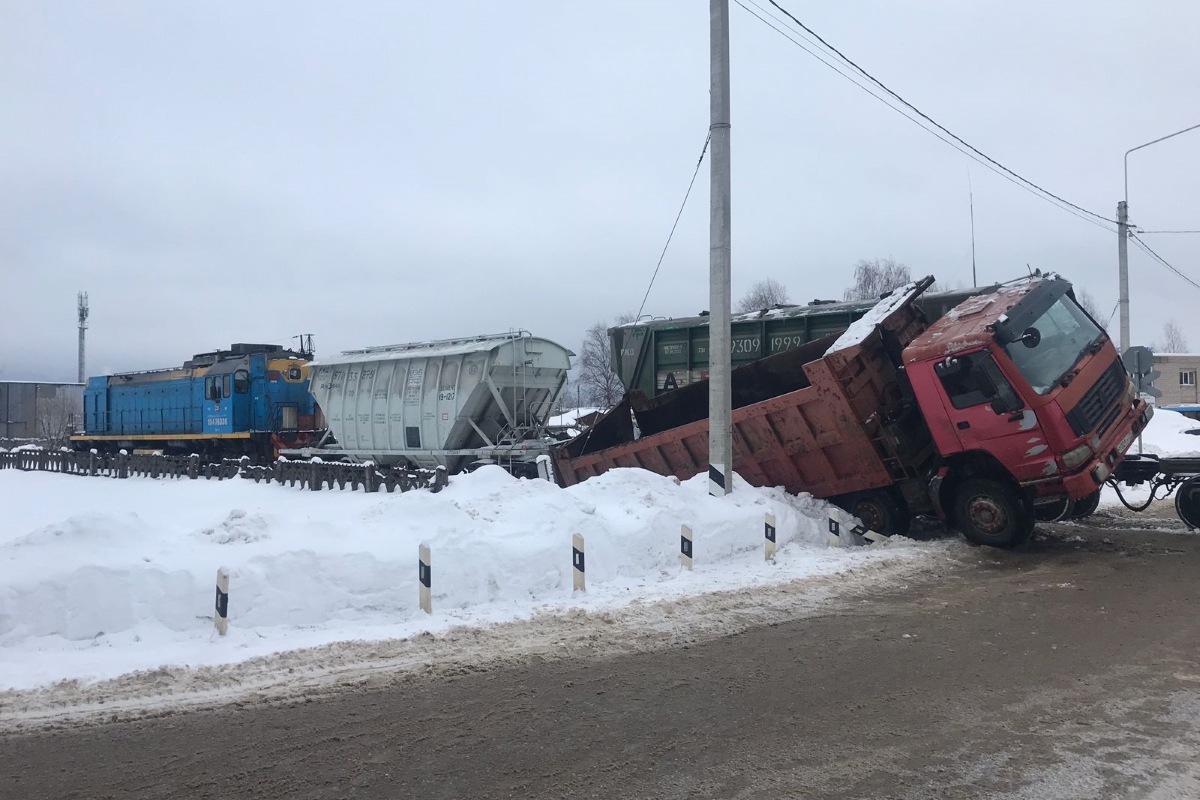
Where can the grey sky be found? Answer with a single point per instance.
(386, 172)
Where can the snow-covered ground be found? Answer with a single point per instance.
(102, 577)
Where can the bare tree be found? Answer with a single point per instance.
(1174, 340)
(877, 277)
(597, 379)
(55, 420)
(1089, 304)
(764, 294)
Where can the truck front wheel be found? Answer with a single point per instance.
(1086, 506)
(992, 513)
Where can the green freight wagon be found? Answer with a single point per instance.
(658, 355)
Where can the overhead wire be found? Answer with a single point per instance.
(938, 130)
(1169, 232)
(1161, 260)
(675, 224)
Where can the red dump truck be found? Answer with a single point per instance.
(1013, 405)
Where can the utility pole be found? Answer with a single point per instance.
(83, 316)
(720, 412)
(1123, 266)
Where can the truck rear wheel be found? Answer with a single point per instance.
(992, 513)
(879, 511)
(1086, 506)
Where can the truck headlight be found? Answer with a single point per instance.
(1130, 392)
(1076, 456)
(1100, 473)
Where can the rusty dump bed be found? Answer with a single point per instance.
(827, 423)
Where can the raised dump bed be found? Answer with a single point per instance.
(829, 418)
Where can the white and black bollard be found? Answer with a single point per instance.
(769, 537)
(685, 547)
(221, 612)
(424, 578)
(845, 531)
(577, 563)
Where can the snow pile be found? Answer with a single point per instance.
(861, 328)
(101, 577)
(1167, 435)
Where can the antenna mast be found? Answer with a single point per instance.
(971, 195)
(83, 317)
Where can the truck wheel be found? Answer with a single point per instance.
(1086, 506)
(880, 512)
(992, 513)
(1054, 512)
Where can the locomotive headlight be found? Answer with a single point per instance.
(1076, 456)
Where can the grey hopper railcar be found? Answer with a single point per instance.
(444, 403)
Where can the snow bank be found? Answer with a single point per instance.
(862, 327)
(101, 577)
(1166, 435)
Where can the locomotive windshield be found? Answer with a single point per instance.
(1064, 333)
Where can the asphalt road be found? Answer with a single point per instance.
(1070, 668)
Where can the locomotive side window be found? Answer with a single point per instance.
(241, 381)
(227, 382)
(211, 392)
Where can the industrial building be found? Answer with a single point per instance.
(35, 411)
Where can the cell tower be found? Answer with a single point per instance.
(83, 315)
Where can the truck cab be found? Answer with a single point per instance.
(1028, 405)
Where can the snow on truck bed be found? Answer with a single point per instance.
(862, 327)
(102, 577)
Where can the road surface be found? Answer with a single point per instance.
(1068, 669)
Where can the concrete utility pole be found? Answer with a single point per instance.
(83, 315)
(720, 413)
(1123, 265)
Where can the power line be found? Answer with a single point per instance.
(954, 140)
(674, 225)
(1162, 260)
(1169, 232)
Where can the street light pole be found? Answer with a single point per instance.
(1123, 239)
(720, 412)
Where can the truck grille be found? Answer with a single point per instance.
(1088, 413)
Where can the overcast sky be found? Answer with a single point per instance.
(376, 173)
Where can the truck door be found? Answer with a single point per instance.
(989, 415)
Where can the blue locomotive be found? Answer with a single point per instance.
(251, 399)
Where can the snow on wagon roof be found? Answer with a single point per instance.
(429, 349)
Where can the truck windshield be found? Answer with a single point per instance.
(1066, 332)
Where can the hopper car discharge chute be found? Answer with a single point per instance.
(452, 403)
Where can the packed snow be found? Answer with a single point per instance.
(862, 327)
(100, 577)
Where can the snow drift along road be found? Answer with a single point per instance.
(101, 577)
